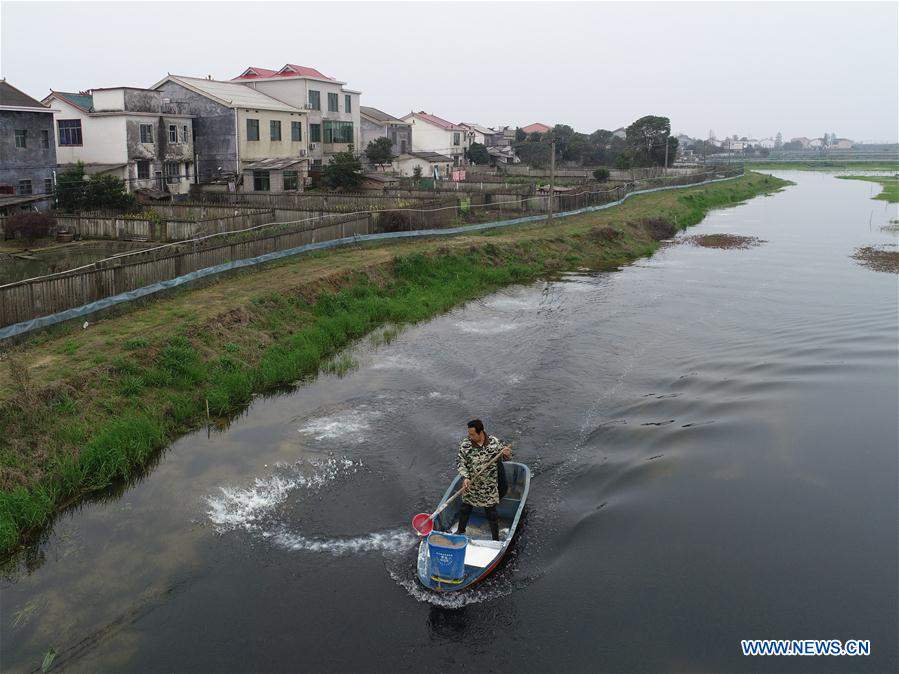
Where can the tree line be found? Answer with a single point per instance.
(644, 144)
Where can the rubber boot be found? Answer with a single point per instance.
(493, 519)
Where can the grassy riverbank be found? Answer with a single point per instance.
(83, 409)
(890, 186)
(825, 165)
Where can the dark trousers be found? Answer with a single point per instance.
(492, 518)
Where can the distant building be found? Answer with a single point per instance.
(377, 124)
(484, 135)
(131, 133)
(536, 127)
(816, 143)
(27, 151)
(802, 140)
(433, 134)
(333, 110)
(767, 143)
(843, 144)
(236, 127)
(432, 164)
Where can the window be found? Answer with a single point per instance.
(24, 187)
(296, 131)
(291, 180)
(45, 138)
(143, 170)
(338, 132)
(185, 134)
(172, 172)
(315, 99)
(347, 103)
(21, 138)
(455, 138)
(315, 133)
(146, 133)
(48, 186)
(69, 131)
(275, 129)
(332, 102)
(261, 181)
(252, 129)
(173, 133)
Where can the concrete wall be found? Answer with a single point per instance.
(214, 131)
(265, 148)
(429, 138)
(34, 162)
(103, 138)
(396, 132)
(295, 91)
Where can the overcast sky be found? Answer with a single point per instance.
(751, 69)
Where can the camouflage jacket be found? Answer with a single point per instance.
(483, 491)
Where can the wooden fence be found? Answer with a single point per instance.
(44, 295)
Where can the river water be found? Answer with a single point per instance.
(713, 438)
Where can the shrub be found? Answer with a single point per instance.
(29, 225)
(394, 221)
(601, 174)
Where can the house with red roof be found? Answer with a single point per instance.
(431, 133)
(332, 109)
(536, 127)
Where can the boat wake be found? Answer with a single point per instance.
(394, 541)
(251, 508)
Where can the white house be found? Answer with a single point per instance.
(128, 132)
(434, 134)
(432, 164)
(332, 109)
(767, 143)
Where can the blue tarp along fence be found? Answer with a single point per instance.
(17, 329)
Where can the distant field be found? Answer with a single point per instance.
(890, 186)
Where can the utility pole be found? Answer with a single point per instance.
(552, 179)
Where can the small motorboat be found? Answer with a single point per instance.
(482, 553)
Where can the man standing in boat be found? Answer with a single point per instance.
(475, 452)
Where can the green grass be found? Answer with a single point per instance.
(890, 186)
(88, 429)
(824, 165)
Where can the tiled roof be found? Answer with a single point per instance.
(83, 101)
(273, 164)
(536, 127)
(435, 120)
(233, 94)
(288, 70)
(430, 156)
(480, 129)
(379, 115)
(305, 71)
(253, 73)
(9, 95)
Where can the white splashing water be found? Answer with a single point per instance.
(485, 329)
(247, 507)
(396, 540)
(345, 424)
